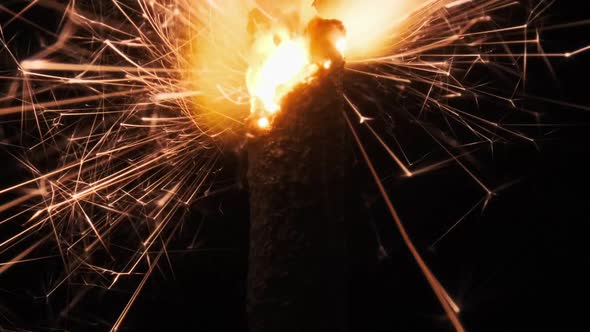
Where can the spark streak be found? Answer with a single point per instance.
(124, 116)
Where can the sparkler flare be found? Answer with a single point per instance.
(283, 56)
(124, 115)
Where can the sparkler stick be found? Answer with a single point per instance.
(301, 210)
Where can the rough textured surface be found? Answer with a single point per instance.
(300, 208)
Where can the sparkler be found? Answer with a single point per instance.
(298, 234)
(124, 116)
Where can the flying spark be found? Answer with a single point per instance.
(124, 117)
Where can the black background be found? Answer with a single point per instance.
(514, 267)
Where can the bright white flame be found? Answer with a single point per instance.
(341, 45)
(280, 71)
(263, 123)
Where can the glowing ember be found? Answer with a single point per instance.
(263, 123)
(281, 60)
(285, 65)
(341, 45)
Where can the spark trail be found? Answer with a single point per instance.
(125, 115)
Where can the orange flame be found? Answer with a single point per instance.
(283, 57)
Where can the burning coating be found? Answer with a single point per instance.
(284, 56)
(300, 212)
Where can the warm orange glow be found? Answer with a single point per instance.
(283, 66)
(279, 55)
(370, 25)
(125, 113)
(267, 42)
(341, 45)
(281, 58)
(263, 123)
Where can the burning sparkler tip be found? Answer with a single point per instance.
(263, 123)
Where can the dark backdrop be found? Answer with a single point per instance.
(513, 267)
